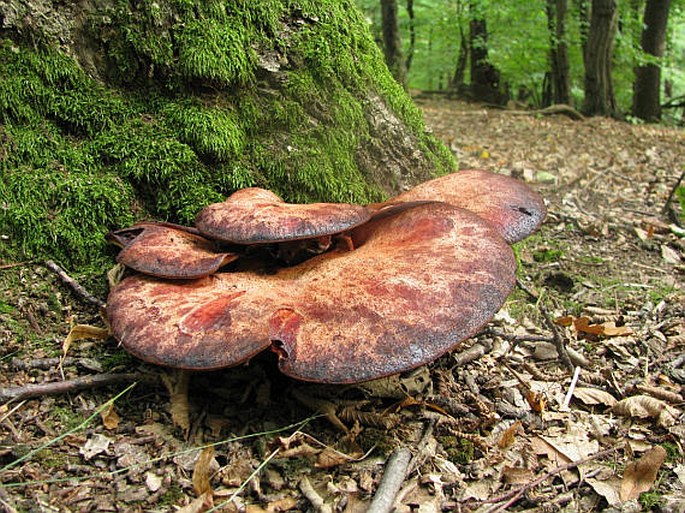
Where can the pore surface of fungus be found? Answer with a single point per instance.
(418, 281)
(257, 215)
(509, 204)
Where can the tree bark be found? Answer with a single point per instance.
(485, 78)
(560, 67)
(114, 112)
(599, 89)
(412, 35)
(647, 87)
(392, 42)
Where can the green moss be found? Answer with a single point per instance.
(183, 114)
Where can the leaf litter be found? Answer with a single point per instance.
(499, 424)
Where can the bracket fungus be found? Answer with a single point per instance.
(417, 277)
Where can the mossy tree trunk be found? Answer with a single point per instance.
(114, 111)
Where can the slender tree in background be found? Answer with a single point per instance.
(560, 73)
(647, 89)
(485, 78)
(412, 34)
(392, 43)
(599, 90)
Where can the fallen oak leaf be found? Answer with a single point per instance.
(639, 476)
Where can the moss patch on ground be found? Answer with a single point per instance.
(167, 106)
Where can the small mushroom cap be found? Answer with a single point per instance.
(420, 281)
(168, 251)
(255, 215)
(509, 204)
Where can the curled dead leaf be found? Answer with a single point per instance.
(643, 406)
(110, 418)
(203, 471)
(593, 397)
(639, 476)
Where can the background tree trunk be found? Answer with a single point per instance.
(112, 113)
(412, 34)
(392, 42)
(485, 78)
(560, 67)
(647, 89)
(599, 90)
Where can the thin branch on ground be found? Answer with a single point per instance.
(514, 495)
(72, 385)
(313, 497)
(393, 477)
(13, 265)
(557, 339)
(74, 285)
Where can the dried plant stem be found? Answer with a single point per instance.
(393, 477)
(513, 495)
(74, 285)
(70, 385)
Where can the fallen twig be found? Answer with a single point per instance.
(75, 286)
(393, 477)
(513, 495)
(313, 497)
(71, 385)
(13, 265)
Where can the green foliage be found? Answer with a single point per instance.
(519, 45)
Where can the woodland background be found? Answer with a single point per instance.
(622, 58)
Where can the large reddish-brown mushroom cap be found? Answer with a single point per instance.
(168, 251)
(257, 215)
(419, 281)
(509, 204)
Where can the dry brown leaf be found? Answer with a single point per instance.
(517, 476)
(285, 504)
(509, 435)
(109, 416)
(594, 396)
(83, 332)
(329, 457)
(202, 472)
(203, 503)
(176, 383)
(639, 476)
(643, 406)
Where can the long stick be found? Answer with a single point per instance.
(69, 385)
(393, 477)
(75, 286)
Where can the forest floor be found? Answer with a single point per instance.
(491, 427)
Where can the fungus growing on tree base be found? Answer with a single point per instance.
(418, 278)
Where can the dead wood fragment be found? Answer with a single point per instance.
(560, 108)
(472, 354)
(668, 207)
(393, 477)
(74, 285)
(313, 497)
(70, 385)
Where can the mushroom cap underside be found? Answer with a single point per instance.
(254, 215)
(508, 204)
(417, 283)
